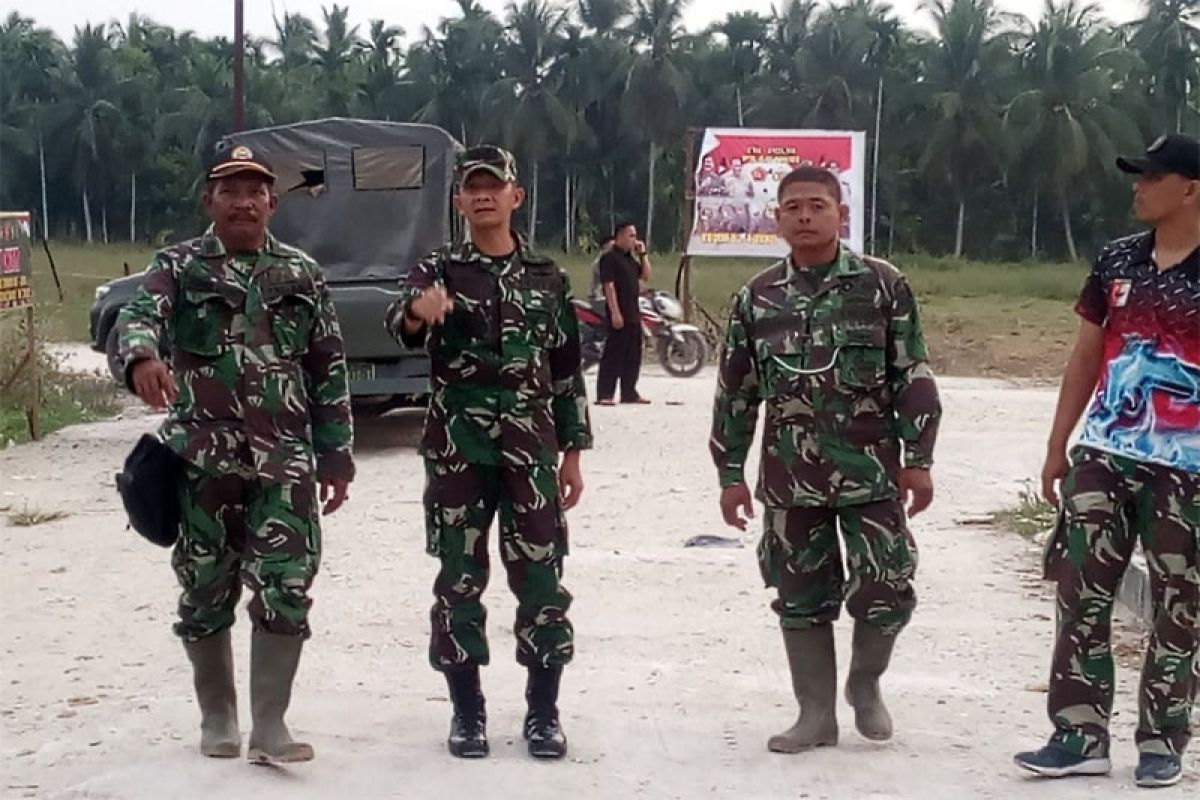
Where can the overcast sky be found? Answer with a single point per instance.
(214, 17)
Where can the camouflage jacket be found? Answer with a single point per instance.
(257, 356)
(507, 380)
(844, 377)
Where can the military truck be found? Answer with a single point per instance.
(366, 199)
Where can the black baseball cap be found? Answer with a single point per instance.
(231, 158)
(1173, 153)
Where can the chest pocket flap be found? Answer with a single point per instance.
(290, 299)
(861, 355)
(204, 312)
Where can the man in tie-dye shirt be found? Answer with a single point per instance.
(1134, 475)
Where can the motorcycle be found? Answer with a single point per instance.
(681, 348)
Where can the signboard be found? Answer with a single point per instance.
(16, 290)
(737, 183)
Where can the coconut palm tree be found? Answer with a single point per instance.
(1072, 119)
(656, 88)
(966, 68)
(524, 106)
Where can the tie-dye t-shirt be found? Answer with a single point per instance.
(1147, 402)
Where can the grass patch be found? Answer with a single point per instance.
(81, 268)
(28, 518)
(66, 398)
(1030, 516)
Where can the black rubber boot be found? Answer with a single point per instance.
(468, 727)
(542, 729)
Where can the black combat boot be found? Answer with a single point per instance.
(542, 731)
(468, 728)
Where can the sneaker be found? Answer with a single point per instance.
(1155, 770)
(1055, 762)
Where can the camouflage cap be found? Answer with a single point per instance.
(489, 158)
(231, 158)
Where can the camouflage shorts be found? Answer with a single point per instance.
(800, 557)
(1109, 503)
(461, 501)
(236, 531)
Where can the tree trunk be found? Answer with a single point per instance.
(741, 116)
(1066, 217)
(104, 221)
(958, 232)
(650, 195)
(567, 237)
(132, 206)
(1033, 227)
(875, 159)
(533, 205)
(87, 216)
(612, 203)
(42, 165)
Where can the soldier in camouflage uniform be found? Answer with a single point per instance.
(260, 413)
(1133, 476)
(508, 397)
(831, 342)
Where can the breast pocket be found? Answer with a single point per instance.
(292, 316)
(781, 359)
(204, 317)
(861, 356)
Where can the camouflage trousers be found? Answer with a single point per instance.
(460, 502)
(1109, 503)
(236, 530)
(800, 557)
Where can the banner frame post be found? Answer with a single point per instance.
(683, 277)
(35, 376)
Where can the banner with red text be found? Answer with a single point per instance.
(737, 180)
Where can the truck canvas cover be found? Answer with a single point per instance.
(365, 198)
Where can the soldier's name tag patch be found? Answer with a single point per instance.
(1118, 292)
(541, 282)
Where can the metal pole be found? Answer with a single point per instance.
(239, 57)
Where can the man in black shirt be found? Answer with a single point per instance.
(622, 269)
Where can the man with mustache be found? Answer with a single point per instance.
(259, 411)
(831, 343)
(508, 400)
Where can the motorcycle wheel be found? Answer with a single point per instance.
(684, 357)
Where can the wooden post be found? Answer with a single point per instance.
(35, 377)
(683, 279)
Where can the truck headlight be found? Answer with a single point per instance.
(101, 291)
